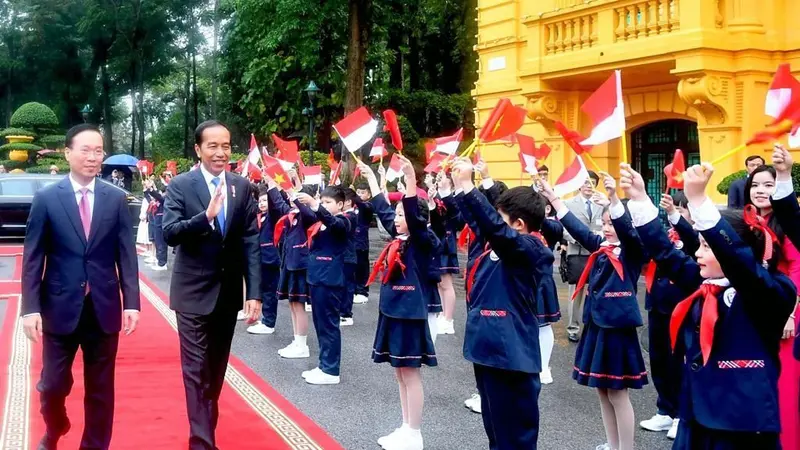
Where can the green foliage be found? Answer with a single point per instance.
(184, 165)
(63, 167)
(52, 161)
(167, 142)
(20, 146)
(52, 141)
(35, 116)
(16, 132)
(430, 113)
(11, 164)
(725, 184)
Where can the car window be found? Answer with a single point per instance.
(22, 187)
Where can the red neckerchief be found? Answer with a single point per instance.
(279, 227)
(388, 259)
(759, 223)
(466, 237)
(486, 250)
(440, 206)
(612, 258)
(708, 295)
(650, 270)
(539, 236)
(311, 232)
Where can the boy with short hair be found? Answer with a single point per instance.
(270, 266)
(365, 212)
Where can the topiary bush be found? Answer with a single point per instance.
(11, 165)
(63, 167)
(53, 141)
(16, 132)
(20, 146)
(35, 116)
(725, 184)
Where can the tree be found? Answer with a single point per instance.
(360, 24)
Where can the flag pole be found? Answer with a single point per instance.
(624, 142)
(728, 154)
(593, 163)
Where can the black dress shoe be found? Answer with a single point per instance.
(49, 441)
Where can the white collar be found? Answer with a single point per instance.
(76, 187)
(608, 244)
(208, 176)
(723, 282)
(403, 237)
(349, 210)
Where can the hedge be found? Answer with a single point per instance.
(725, 184)
(63, 167)
(53, 141)
(34, 115)
(20, 146)
(16, 132)
(11, 165)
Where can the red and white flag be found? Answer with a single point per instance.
(606, 110)
(311, 174)
(572, 179)
(527, 154)
(783, 96)
(356, 129)
(436, 163)
(378, 150)
(395, 170)
(449, 144)
(250, 165)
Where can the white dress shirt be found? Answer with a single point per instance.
(213, 189)
(76, 188)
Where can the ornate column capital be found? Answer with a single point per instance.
(546, 108)
(710, 95)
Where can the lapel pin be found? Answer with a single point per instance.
(233, 191)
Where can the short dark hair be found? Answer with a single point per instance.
(525, 204)
(679, 199)
(350, 194)
(543, 168)
(78, 129)
(198, 132)
(335, 192)
(594, 176)
(362, 185)
(753, 158)
(262, 190)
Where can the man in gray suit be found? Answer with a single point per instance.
(590, 215)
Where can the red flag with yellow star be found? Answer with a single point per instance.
(277, 173)
(674, 171)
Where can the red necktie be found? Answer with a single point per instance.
(466, 237)
(708, 295)
(388, 259)
(612, 258)
(86, 215)
(311, 232)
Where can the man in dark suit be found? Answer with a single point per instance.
(736, 193)
(79, 253)
(210, 217)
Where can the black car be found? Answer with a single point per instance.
(16, 195)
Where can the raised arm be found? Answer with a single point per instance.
(278, 206)
(784, 200)
(178, 228)
(688, 235)
(307, 216)
(385, 213)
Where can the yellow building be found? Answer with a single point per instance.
(694, 73)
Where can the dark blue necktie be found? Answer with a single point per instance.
(221, 215)
(589, 210)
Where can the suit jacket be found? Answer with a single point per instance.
(208, 266)
(736, 193)
(577, 206)
(58, 260)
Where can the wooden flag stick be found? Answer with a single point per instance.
(728, 154)
(468, 151)
(593, 163)
(624, 151)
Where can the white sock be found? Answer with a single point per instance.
(433, 325)
(301, 340)
(546, 341)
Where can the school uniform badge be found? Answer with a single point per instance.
(728, 296)
(679, 245)
(493, 256)
(617, 251)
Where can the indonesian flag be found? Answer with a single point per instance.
(378, 150)
(504, 120)
(606, 110)
(527, 145)
(448, 144)
(356, 129)
(277, 173)
(311, 174)
(572, 138)
(674, 171)
(172, 166)
(783, 100)
(335, 170)
(287, 150)
(527, 154)
(395, 168)
(572, 179)
(250, 165)
(435, 164)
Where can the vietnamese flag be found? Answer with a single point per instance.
(504, 120)
(279, 175)
(606, 110)
(287, 150)
(674, 171)
(436, 162)
(172, 166)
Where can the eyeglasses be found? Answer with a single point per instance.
(98, 152)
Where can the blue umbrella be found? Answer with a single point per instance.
(121, 160)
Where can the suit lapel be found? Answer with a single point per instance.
(67, 197)
(98, 209)
(200, 188)
(580, 202)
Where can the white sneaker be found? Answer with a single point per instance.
(345, 321)
(308, 307)
(240, 315)
(446, 327)
(603, 447)
(475, 406)
(260, 328)
(673, 431)
(393, 436)
(475, 399)
(360, 300)
(657, 423)
(158, 268)
(294, 351)
(306, 373)
(408, 440)
(151, 260)
(546, 376)
(317, 376)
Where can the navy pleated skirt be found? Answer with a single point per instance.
(547, 307)
(403, 342)
(293, 286)
(609, 358)
(434, 300)
(693, 436)
(449, 263)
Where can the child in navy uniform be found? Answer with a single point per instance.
(350, 260)
(434, 300)
(446, 224)
(666, 366)
(402, 337)
(327, 240)
(270, 267)
(501, 335)
(365, 212)
(608, 356)
(730, 326)
(290, 232)
(548, 311)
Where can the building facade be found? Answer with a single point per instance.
(695, 74)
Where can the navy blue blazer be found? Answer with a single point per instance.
(158, 214)
(405, 295)
(787, 211)
(502, 330)
(737, 389)
(293, 240)
(326, 257)
(58, 260)
(269, 252)
(350, 251)
(611, 302)
(664, 294)
(446, 223)
(365, 212)
(736, 193)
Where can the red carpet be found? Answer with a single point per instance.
(150, 401)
